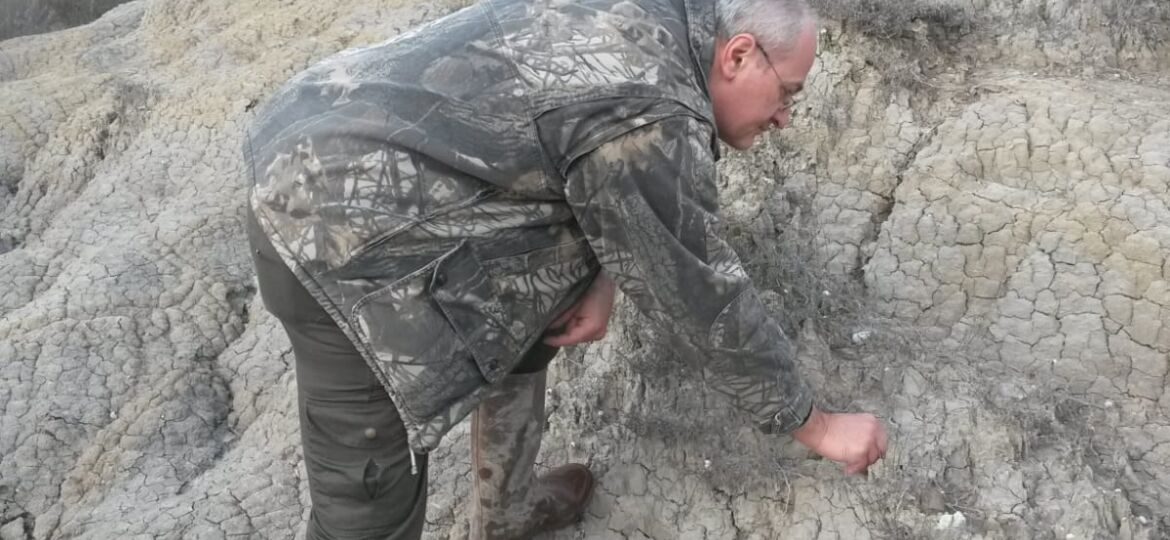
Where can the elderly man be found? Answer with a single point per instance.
(432, 216)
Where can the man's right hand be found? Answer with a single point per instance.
(856, 440)
(586, 320)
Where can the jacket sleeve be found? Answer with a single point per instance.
(647, 201)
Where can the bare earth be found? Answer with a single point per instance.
(970, 242)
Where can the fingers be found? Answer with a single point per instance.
(576, 331)
(857, 467)
(874, 454)
(855, 440)
(861, 465)
(565, 317)
(559, 327)
(559, 340)
(874, 450)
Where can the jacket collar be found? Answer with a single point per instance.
(701, 32)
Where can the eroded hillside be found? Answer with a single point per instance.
(966, 230)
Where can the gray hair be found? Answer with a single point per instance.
(776, 24)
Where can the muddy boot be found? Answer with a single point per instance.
(508, 501)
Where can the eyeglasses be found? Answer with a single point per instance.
(791, 98)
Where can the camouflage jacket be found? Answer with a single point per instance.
(447, 193)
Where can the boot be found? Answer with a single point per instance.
(508, 501)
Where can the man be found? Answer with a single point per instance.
(433, 215)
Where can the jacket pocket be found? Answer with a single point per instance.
(469, 299)
(436, 332)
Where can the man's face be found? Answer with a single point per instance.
(752, 90)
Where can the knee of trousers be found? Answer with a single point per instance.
(359, 468)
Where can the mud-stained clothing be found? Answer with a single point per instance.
(364, 481)
(446, 194)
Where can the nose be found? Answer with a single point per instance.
(782, 118)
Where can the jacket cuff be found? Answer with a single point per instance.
(795, 413)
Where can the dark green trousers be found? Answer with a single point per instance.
(355, 448)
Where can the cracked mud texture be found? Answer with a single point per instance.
(1001, 216)
(24, 17)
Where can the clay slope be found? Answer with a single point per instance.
(25, 17)
(965, 229)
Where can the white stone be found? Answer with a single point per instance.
(951, 521)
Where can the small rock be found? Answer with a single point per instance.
(933, 500)
(13, 529)
(950, 521)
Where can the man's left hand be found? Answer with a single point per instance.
(586, 320)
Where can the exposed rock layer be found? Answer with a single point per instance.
(1000, 203)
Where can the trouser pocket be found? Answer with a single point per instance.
(359, 466)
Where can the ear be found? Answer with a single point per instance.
(734, 55)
